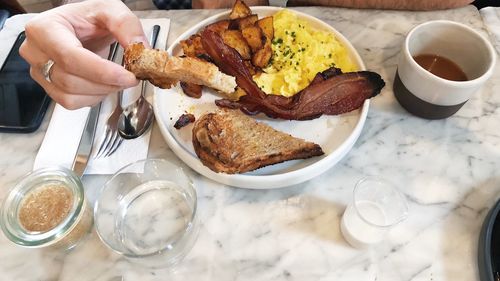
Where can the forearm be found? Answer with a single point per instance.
(385, 4)
(218, 4)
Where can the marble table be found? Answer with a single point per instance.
(448, 169)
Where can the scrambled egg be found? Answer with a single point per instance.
(299, 53)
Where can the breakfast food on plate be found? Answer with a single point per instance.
(250, 36)
(299, 53)
(301, 57)
(164, 71)
(184, 120)
(279, 65)
(283, 67)
(332, 92)
(230, 142)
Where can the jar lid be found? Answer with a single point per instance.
(56, 190)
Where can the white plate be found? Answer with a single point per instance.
(335, 134)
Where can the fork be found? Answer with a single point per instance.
(112, 139)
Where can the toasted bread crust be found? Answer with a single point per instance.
(231, 142)
(164, 71)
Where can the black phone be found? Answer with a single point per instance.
(23, 102)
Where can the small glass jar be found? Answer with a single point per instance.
(376, 207)
(47, 208)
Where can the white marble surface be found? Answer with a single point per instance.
(491, 18)
(448, 169)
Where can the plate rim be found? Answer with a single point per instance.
(485, 261)
(265, 181)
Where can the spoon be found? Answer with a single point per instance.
(138, 117)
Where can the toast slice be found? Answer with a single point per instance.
(165, 71)
(230, 142)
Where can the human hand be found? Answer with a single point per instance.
(77, 38)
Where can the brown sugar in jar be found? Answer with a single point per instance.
(47, 208)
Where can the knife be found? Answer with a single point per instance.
(85, 146)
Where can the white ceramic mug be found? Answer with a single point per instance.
(427, 95)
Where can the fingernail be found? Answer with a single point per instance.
(127, 80)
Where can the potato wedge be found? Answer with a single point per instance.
(243, 22)
(266, 24)
(192, 46)
(240, 10)
(234, 39)
(254, 36)
(261, 57)
(219, 26)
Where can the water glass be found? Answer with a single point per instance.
(377, 206)
(150, 216)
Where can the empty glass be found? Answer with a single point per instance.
(377, 206)
(150, 216)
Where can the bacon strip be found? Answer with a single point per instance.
(191, 89)
(336, 94)
(184, 120)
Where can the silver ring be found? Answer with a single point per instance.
(46, 70)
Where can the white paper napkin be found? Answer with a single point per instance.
(65, 128)
(491, 19)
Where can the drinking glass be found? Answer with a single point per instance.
(150, 216)
(377, 206)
